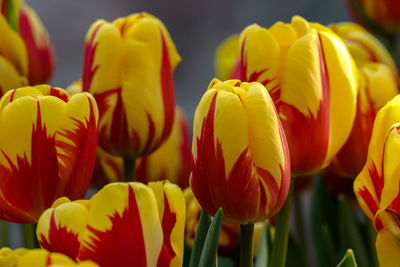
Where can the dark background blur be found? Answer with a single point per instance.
(197, 27)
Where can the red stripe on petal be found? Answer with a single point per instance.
(121, 245)
(168, 90)
(88, 69)
(63, 95)
(369, 200)
(117, 139)
(31, 186)
(168, 223)
(40, 51)
(77, 160)
(60, 240)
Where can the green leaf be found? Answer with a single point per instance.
(348, 260)
(264, 246)
(324, 228)
(200, 237)
(351, 233)
(209, 254)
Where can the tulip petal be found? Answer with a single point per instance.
(123, 218)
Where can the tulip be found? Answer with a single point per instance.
(48, 143)
(227, 59)
(312, 80)
(383, 15)
(376, 87)
(377, 185)
(38, 258)
(362, 45)
(120, 219)
(230, 169)
(26, 55)
(40, 51)
(128, 67)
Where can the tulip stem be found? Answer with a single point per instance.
(129, 169)
(246, 245)
(279, 246)
(29, 234)
(5, 242)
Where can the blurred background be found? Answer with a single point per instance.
(196, 27)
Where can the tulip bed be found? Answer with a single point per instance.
(297, 109)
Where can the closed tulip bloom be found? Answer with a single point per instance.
(376, 87)
(41, 58)
(312, 80)
(362, 45)
(13, 56)
(235, 127)
(377, 185)
(128, 67)
(227, 59)
(48, 144)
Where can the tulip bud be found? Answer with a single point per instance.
(377, 185)
(48, 143)
(40, 51)
(230, 167)
(128, 67)
(312, 81)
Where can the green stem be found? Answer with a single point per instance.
(129, 169)
(246, 245)
(279, 246)
(29, 234)
(5, 242)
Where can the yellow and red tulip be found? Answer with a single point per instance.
(120, 219)
(26, 55)
(41, 59)
(382, 13)
(48, 142)
(377, 185)
(376, 87)
(229, 168)
(128, 67)
(172, 160)
(38, 258)
(311, 79)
